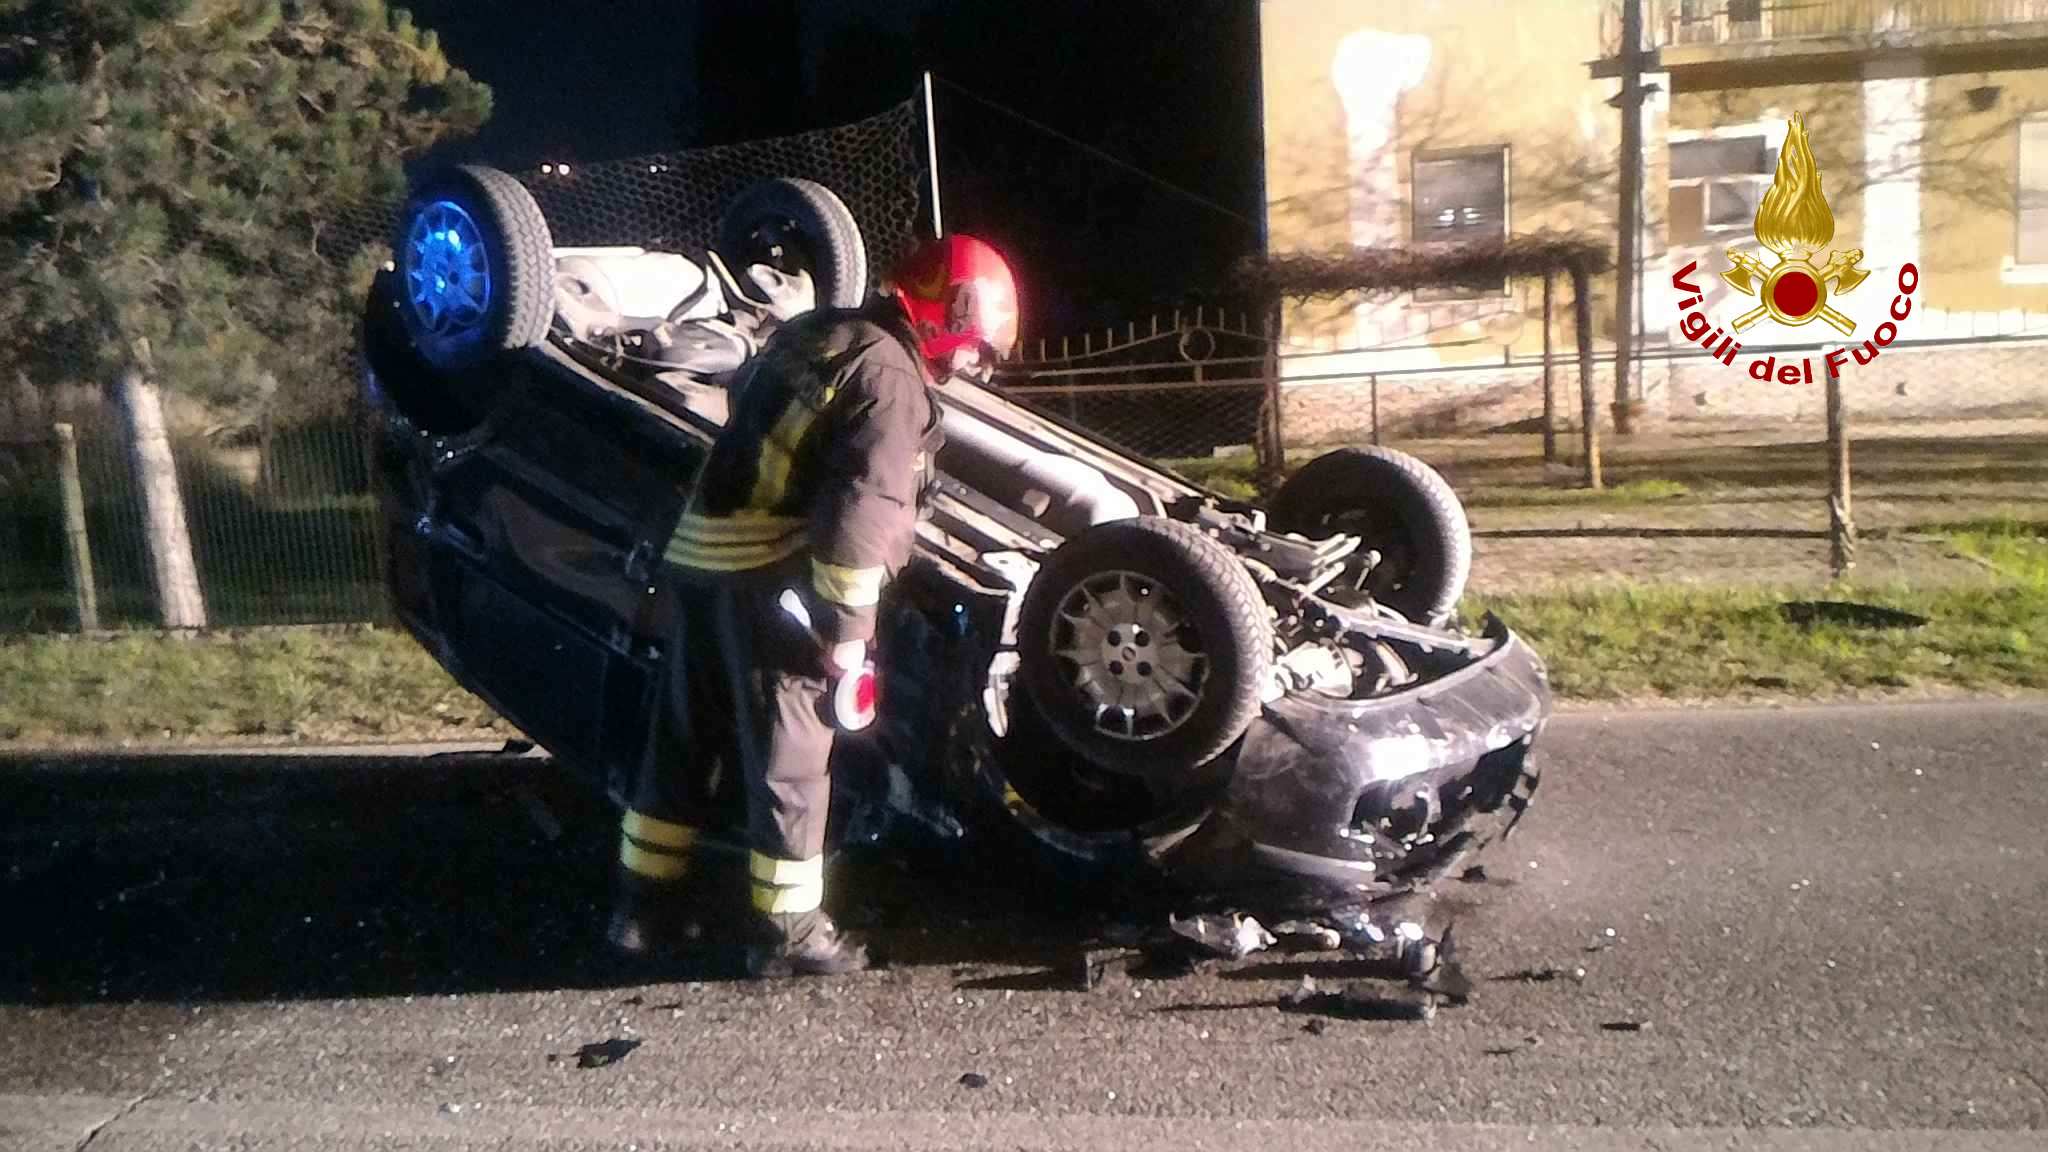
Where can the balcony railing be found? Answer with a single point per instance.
(1672, 22)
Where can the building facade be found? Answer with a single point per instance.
(1415, 122)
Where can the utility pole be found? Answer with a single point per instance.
(1630, 101)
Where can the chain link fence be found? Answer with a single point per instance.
(277, 507)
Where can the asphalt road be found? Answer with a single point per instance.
(1830, 925)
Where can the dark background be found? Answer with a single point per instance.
(1170, 87)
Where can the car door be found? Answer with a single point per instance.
(555, 520)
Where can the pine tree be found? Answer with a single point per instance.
(195, 173)
(175, 205)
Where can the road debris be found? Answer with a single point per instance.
(1356, 1003)
(1476, 874)
(1357, 931)
(1230, 937)
(973, 1080)
(604, 1053)
(1099, 968)
(1626, 1026)
(1304, 936)
(1535, 975)
(1316, 1027)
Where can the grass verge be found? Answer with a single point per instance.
(309, 686)
(1620, 644)
(1694, 643)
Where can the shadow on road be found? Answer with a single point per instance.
(178, 878)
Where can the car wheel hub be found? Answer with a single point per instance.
(1135, 660)
(447, 271)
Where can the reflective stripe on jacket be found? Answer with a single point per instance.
(832, 435)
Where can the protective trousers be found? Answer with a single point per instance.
(745, 690)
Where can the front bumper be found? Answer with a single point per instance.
(1338, 801)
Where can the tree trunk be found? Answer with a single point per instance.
(179, 602)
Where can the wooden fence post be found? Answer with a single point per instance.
(77, 545)
(179, 601)
(1841, 528)
(1273, 446)
(1589, 403)
(1549, 385)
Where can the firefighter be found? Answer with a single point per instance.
(806, 507)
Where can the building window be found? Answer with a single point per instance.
(2031, 246)
(1718, 21)
(1716, 185)
(1461, 196)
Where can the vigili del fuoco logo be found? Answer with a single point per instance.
(1794, 225)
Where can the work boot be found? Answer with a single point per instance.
(804, 944)
(652, 919)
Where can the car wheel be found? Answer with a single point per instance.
(797, 225)
(1401, 508)
(1145, 646)
(475, 264)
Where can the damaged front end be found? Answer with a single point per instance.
(1335, 802)
(1340, 795)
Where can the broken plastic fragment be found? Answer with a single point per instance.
(604, 1052)
(1227, 937)
(1356, 1003)
(1302, 936)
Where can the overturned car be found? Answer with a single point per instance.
(1089, 661)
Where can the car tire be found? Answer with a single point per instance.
(1087, 627)
(754, 230)
(490, 288)
(1400, 507)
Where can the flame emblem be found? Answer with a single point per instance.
(1794, 222)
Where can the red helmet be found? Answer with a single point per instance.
(958, 292)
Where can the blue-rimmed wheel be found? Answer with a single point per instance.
(474, 263)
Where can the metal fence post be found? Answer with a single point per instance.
(78, 546)
(1841, 528)
(1375, 410)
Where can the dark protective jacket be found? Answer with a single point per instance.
(830, 446)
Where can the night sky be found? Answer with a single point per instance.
(1171, 87)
